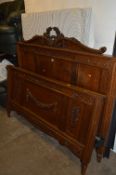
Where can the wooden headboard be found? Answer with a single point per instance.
(60, 41)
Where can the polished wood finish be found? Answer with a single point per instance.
(66, 89)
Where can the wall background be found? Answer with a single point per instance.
(105, 23)
(46, 5)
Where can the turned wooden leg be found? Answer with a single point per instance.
(8, 111)
(83, 168)
(99, 157)
(99, 154)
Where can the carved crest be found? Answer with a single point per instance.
(58, 40)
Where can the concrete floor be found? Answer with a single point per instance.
(24, 150)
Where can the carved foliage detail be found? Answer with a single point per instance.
(58, 40)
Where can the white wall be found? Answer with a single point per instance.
(105, 23)
(46, 5)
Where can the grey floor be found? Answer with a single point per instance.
(24, 150)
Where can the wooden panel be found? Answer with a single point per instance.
(80, 111)
(44, 102)
(89, 77)
(44, 65)
(16, 90)
(62, 70)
